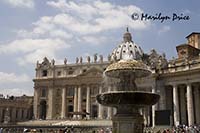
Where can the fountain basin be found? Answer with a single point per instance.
(131, 67)
(129, 98)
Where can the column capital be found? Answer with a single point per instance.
(173, 84)
(88, 85)
(196, 85)
(188, 83)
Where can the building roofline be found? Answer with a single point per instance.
(192, 34)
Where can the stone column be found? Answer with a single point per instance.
(20, 114)
(25, 114)
(88, 101)
(1, 115)
(162, 92)
(110, 110)
(100, 111)
(75, 100)
(153, 109)
(183, 112)
(50, 104)
(148, 116)
(190, 105)
(63, 111)
(176, 105)
(197, 104)
(79, 101)
(35, 109)
(145, 116)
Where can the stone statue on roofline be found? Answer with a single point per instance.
(37, 64)
(81, 60)
(88, 59)
(155, 60)
(95, 57)
(65, 61)
(77, 59)
(52, 62)
(101, 58)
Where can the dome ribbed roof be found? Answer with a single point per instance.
(127, 49)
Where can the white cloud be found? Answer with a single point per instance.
(94, 17)
(13, 78)
(21, 3)
(93, 40)
(77, 21)
(33, 49)
(83, 21)
(16, 91)
(45, 27)
(164, 29)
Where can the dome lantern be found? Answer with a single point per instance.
(127, 36)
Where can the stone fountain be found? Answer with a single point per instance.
(127, 98)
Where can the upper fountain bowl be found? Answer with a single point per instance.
(134, 67)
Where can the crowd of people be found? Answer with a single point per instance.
(178, 129)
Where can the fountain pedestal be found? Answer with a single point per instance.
(128, 104)
(126, 122)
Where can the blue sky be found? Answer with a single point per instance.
(58, 29)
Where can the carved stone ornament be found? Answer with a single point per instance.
(45, 64)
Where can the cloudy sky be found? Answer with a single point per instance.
(58, 29)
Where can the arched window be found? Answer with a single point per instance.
(44, 73)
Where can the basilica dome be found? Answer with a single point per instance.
(127, 49)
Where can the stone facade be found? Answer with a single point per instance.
(68, 91)
(15, 109)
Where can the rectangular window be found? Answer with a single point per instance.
(43, 93)
(59, 73)
(70, 101)
(70, 91)
(70, 72)
(70, 108)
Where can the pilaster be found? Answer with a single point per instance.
(50, 104)
(36, 100)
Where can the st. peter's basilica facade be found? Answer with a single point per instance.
(68, 91)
